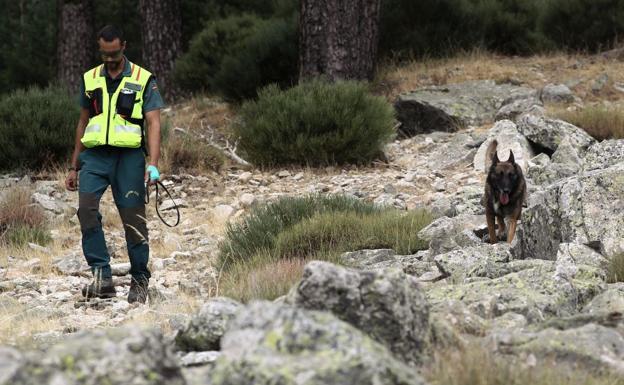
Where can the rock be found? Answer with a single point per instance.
(371, 259)
(557, 93)
(169, 204)
(532, 292)
(510, 111)
(245, 177)
(600, 83)
(461, 318)
(549, 133)
(477, 261)
(96, 357)
(609, 301)
(586, 209)
(120, 269)
(448, 108)
(592, 347)
(270, 343)
(581, 262)
(566, 162)
(48, 203)
(224, 212)
(71, 265)
(205, 328)
(247, 200)
(11, 362)
(604, 154)
(388, 305)
(509, 139)
(446, 234)
(283, 174)
(199, 358)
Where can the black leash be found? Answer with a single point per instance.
(156, 202)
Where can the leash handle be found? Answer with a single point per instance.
(156, 203)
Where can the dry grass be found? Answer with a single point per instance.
(474, 365)
(20, 220)
(615, 270)
(159, 314)
(18, 322)
(599, 121)
(189, 154)
(534, 71)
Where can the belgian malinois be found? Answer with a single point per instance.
(505, 193)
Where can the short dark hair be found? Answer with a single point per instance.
(110, 33)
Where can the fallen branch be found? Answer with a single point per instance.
(228, 150)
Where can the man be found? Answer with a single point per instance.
(118, 99)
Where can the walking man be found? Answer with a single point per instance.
(120, 103)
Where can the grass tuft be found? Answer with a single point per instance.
(600, 122)
(615, 269)
(20, 220)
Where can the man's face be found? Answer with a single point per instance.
(112, 53)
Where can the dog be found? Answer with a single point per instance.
(505, 193)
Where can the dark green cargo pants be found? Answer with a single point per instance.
(124, 170)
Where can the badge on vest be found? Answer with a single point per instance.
(134, 87)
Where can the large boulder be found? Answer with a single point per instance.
(388, 305)
(115, 357)
(549, 133)
(556, 93)
(446, 234)
(450, 107)
(609, 301)
(204, 330)
(533, 292)
(604, 154)
(586, 209)
(592, 347)
(509, 139)
(269, 343)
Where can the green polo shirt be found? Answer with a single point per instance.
(151, 97)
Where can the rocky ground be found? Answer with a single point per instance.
(544, 296)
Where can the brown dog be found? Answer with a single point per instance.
(505, 193)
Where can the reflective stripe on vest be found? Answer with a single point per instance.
(108, 127)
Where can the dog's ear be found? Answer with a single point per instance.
(495, 159)
(511, 157)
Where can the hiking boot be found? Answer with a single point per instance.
(138, 290)
(99, 288)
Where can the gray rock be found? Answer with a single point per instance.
(11, 362)
(205, 329)
(120, 269)
(587, 209)
(532, 292)
(199, 358)
(592, 347)
(71, 265)
(371, 259)
(557, 93)
(580, 262)
(447, 234)
(549, 133)
(477, 261)
(448, 108)
(388, 305)
(270, 343)
(604, 154)
(509, 139)
(610, 301)
(115, 356)
(600, 83)
(566, 162)
(48, 203)
(512, 110)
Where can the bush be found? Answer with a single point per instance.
(37, 127)
(20, 221)
(268, 55)
(264, 255)
(315, 123)
(615, 270)
(196, 69)
(261, 226)
(599, 122)
(583, 24)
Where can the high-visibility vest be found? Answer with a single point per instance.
(110, 123)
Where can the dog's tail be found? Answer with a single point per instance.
(489, 154)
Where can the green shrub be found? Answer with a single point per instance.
(196, 69)
(260, 227)
(583, 24)
(615, 270)
(599, 122)
(37, 127)
(315, 123)
(20, 221)
(268, 55)
(335, 233)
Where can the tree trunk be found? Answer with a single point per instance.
(162, 32)
(75, 41)
(338, 38)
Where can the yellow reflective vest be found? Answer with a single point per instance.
(117, 119)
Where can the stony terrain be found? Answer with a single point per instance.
(542, 297)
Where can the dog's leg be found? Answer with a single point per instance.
(513, 220)
(501, 226)
(489, 216)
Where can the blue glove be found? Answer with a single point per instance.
(154, 174)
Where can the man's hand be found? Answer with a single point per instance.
(152, 175)
(71, 182)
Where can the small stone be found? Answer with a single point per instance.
(298, 176)
(390, 189)
(199, 358)
(39, 248)
(283, 174)
(171, 204)
(224, 212)
(247, 200)
(245, 177)
(120, 269)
